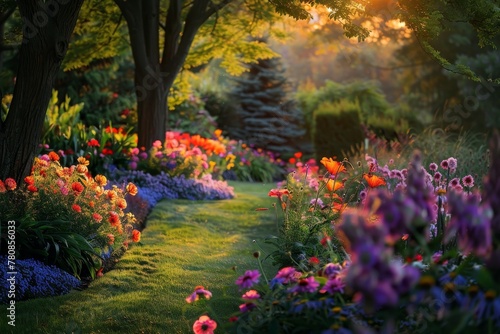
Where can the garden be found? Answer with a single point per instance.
(249, 167)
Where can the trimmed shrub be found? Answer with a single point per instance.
(337, 130)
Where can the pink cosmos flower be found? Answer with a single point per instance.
(204, 325)
(199, 291)
(251, 294)
(247, 280)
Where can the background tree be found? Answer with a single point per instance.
(47, 29)
(269, 118)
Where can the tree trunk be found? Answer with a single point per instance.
(47, 27)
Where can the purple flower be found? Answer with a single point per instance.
(433, 167)
(454, 182)
(247, 280)
(333, 285)
(437, 176)
(331, 270)
(470, 222)
(305, 285)
(246, 307)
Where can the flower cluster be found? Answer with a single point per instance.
(35, 279)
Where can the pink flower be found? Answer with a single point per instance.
(251, 294)
(204, 325)
(157, 144)
(97, 217)
(199, 291)
(452, 163)
(468, 181)
(433, 167)
(444, 164)
(247, 280)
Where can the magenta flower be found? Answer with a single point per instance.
(437, 176)
(454, 182)
(247, 280)
(433, 167)
(199, 291)
(305, 285)
(287, 275)
(452, 164)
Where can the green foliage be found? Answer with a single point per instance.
(337, 130)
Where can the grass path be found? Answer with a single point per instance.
(185, 244)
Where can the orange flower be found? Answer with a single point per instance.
(81, 169)
(334, 185)
(333, 167)
(278, 192)
(338, 207)
(53, 156)
(131, 189)
(121, 203)
(29, 180)
(111, 239)
(101, 180)
(136, 236)
(374, 181)
(83, 161)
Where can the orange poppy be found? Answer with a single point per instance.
(334, 185)
(333, 167)
(374, 181)
(338, 207)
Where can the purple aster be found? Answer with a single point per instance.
(362, 195)
(433, 167)
(305, 285)
(468, 181)
(332, 270)
(333, 285)
(247, 280)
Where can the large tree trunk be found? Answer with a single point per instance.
(47, 27)
(153, 79)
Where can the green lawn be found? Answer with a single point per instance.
(185, 243)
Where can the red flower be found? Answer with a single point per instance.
(76, 208)
(32, 188)
(77, 187)
(107, 151)
(53, 156)
(114, 219)
(111, 239)
(2, 187)
(136, 236)
(97, 217)
(298, 155)
(278, 192)
(10, 184)
(93, 143)
(313, 261)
